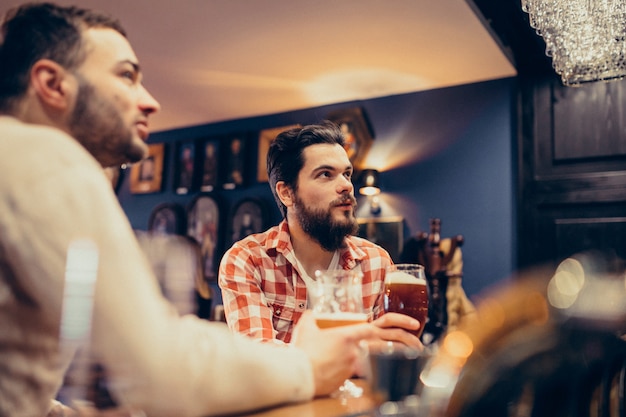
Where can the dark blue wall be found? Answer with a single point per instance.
(445, 153)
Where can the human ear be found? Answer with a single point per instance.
(284, 193)
(51, 84)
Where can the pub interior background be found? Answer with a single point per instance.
(445, 153)
(527, 170)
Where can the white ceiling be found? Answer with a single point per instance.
(214, 60)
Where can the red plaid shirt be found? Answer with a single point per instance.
(264, 294)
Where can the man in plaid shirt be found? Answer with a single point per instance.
(264, 276)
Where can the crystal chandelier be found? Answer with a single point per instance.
(586, 39)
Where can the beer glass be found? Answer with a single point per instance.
(336, 300)
(406, 292)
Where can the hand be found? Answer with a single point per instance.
(392, 327)
(334, 353)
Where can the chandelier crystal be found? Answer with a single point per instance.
(586, 39)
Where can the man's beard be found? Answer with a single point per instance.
(319, 224)
(98, 126)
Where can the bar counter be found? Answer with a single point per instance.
(324, 407)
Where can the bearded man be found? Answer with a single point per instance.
(264, 277)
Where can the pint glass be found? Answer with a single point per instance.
(406, 292)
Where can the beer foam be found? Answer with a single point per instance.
(400, 277)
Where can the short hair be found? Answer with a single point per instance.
(37, 31)
(284, 157)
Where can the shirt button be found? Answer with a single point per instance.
(301, 305)
(278, 311)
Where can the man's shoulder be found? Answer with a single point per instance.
(363, 243)
(259, 241)
(14, 127)
(35, 152)
(370, 249)
(255, 249)
(42, 140)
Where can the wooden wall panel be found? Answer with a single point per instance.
(592, 233)
(589, 121)
(572, 169)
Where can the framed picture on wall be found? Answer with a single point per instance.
(203, 220)
(357, 132)
(384, 231)
(210, 164)
(266, 136)
(146, 176)
(235, 157)
(185, 167)
(167, 218)
(249, 216)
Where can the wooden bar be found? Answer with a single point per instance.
(324, 407)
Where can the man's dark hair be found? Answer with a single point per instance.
(37, 31)
(285, 159)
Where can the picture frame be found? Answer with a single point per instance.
(210, 165)
(146, 176)
(248, 216)
(167, 218)
(185, 167)
(235, 169)
(357, 131)
(203, 220)
(387, 232)
(266, 136)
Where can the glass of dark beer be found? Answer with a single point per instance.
(406, 292)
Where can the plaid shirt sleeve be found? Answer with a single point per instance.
(245, 305)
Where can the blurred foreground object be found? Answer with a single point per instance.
(546, 344)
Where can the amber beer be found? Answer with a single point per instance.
(336, 298)
(326, 320)
(406, 292)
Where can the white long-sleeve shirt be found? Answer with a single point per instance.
(53, 191)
